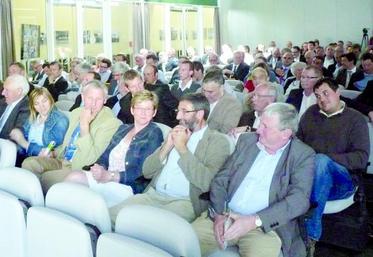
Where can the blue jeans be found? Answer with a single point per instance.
(332, 181)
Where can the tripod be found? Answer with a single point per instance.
(364, 41)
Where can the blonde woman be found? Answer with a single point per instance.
(46, 124)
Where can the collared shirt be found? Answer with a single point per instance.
(343, 105)
(172, 180)
(116, 107)
(7, 113)
(253, 193)
(348, 75)
(328, 62)
(212, 106)
(105, 76)
(257, 120)
(307, 101)
(188, 85)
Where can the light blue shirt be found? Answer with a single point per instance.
(172, 180)
(36, 133)
(253, 193)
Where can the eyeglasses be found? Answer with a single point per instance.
(144, 109)
(258, 95)
(309, 77)
(186, 111)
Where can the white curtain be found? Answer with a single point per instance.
(6, 36)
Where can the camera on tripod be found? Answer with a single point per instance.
(365, 31)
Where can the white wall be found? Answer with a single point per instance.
(260, 21)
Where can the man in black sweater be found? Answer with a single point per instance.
(339, 135)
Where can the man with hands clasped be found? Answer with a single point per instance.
(183, 167)
(261, 191)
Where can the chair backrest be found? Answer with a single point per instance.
(115, 245)
(164, 128)
(8, 153)
(12, 226)
(52, 233)
(160, 228)
(352, 94)
(80, 202)
(23, 184)
(64, 105)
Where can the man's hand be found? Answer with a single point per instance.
(86, 117)
(219, 229)
(180, 137)
(100, 174)
(370, 115)
(166, 147)
(240, 226)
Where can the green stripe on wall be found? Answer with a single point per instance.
(193, 2)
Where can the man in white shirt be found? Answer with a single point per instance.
(14, 109)
(186, 84)
(348, 68)
(183, 167)
(304, 97)
(261, 191)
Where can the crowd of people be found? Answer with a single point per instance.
(298, 141)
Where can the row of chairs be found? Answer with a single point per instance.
(73, 220)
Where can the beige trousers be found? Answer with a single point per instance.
(255, 243)
(181, 207)
(49, 170)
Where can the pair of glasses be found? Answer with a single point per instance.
(185, 111)
(309, 77)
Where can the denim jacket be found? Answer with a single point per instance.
(55, 128)
(144, 143)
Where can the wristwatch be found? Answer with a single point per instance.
(258, 221)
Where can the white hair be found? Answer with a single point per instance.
(19, 81)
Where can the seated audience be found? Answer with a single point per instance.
(282, 68)
(294, 81)
(339, 135)
(238, 69)
(167, 102)
(14, 107)
(46, 124)
(122, 160)
(198, 70)
(19, 69)
(87, 77)
(37, 67)
(361, 79)
(258, 195)
(104, 69)
(225, 110)
(304, 97)
(91, 128)
(152, 59)
(264, 94)
(344, 74)
(56, 83)
(183, 167)
(118, 70)
(186, 84)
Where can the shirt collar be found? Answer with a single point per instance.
(343, 105)
(187, 86)
(279, 151)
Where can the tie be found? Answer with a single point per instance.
(348, 77)
(234, 68)
(4, 117)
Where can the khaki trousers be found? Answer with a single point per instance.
(181, 207)
(255, 243)
(49, 170)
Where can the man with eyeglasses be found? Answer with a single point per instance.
(105, 71)
(183, 167)
(304, 97)
(135, 83)
(264, 94)
(339, 136)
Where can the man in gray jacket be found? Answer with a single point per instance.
(258, 195)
